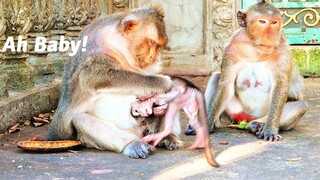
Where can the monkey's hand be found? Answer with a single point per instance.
(155, 138)
(269, 133)
(160, 110)
(138, 149)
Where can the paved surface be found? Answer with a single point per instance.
(245, 157)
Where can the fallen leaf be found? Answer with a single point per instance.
(42, 116)
(101, 171)
(37, 124)
(26, 123)
(14, 128)
(223, 142)
(40, 120)
(294, 159)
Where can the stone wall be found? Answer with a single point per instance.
(29, 80)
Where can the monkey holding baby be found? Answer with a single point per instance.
(185, 96)
(100, 84)
(258, 81)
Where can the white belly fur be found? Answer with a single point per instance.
(253, 86)
(115, 108)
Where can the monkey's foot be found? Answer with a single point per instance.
(138, 149)
(171, 142)
(267, 134)
(190, 131)
(255, 127)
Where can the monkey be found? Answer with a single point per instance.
(120, 64)
(183, 95)
(259, 81)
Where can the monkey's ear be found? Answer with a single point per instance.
(128, 25)
(241, 17)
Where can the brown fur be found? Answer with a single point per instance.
(259, 40)
(111, 65)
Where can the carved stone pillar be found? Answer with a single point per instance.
(14, 63)
(220, 27)
(62, 11)
(43, 21)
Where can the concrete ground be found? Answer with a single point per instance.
(244, 157)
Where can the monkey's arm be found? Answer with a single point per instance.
(224, 92)
(278, 100)
(103, 75)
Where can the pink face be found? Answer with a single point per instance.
(265, 30)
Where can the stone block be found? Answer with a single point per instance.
(22, 105)
(3, 86)
(21, 75)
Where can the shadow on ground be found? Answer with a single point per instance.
(244, 157)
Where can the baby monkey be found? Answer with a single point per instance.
(183, 95)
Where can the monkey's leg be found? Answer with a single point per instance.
(211, 88)
(210, 92)
(290, 116)
(172, 141)
(105, 135)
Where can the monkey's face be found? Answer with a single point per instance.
(264, 30)
(145, 49)
(146, 34)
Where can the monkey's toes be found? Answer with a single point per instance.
(170, 143)
(270, 137)
(138, 149)
(190, 131)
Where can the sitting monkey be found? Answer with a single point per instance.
(259, 81)
(100, 84)
(183, 95)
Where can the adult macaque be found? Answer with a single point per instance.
(184, 95)
(258, 79)
(100, 84)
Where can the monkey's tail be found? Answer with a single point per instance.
(208, 153)
(204, 122)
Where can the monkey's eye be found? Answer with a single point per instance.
(262, 21)
(152, 42)
(274, 22)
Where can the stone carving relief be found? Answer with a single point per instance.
(62, 11)
(43, 15)
(3, 21)
(222, 26)
(92, 9)
(17, 13)
(78, 13)
(120, 5)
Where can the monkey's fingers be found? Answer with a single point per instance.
(156, 141)
(155, 138)
(160, 110)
